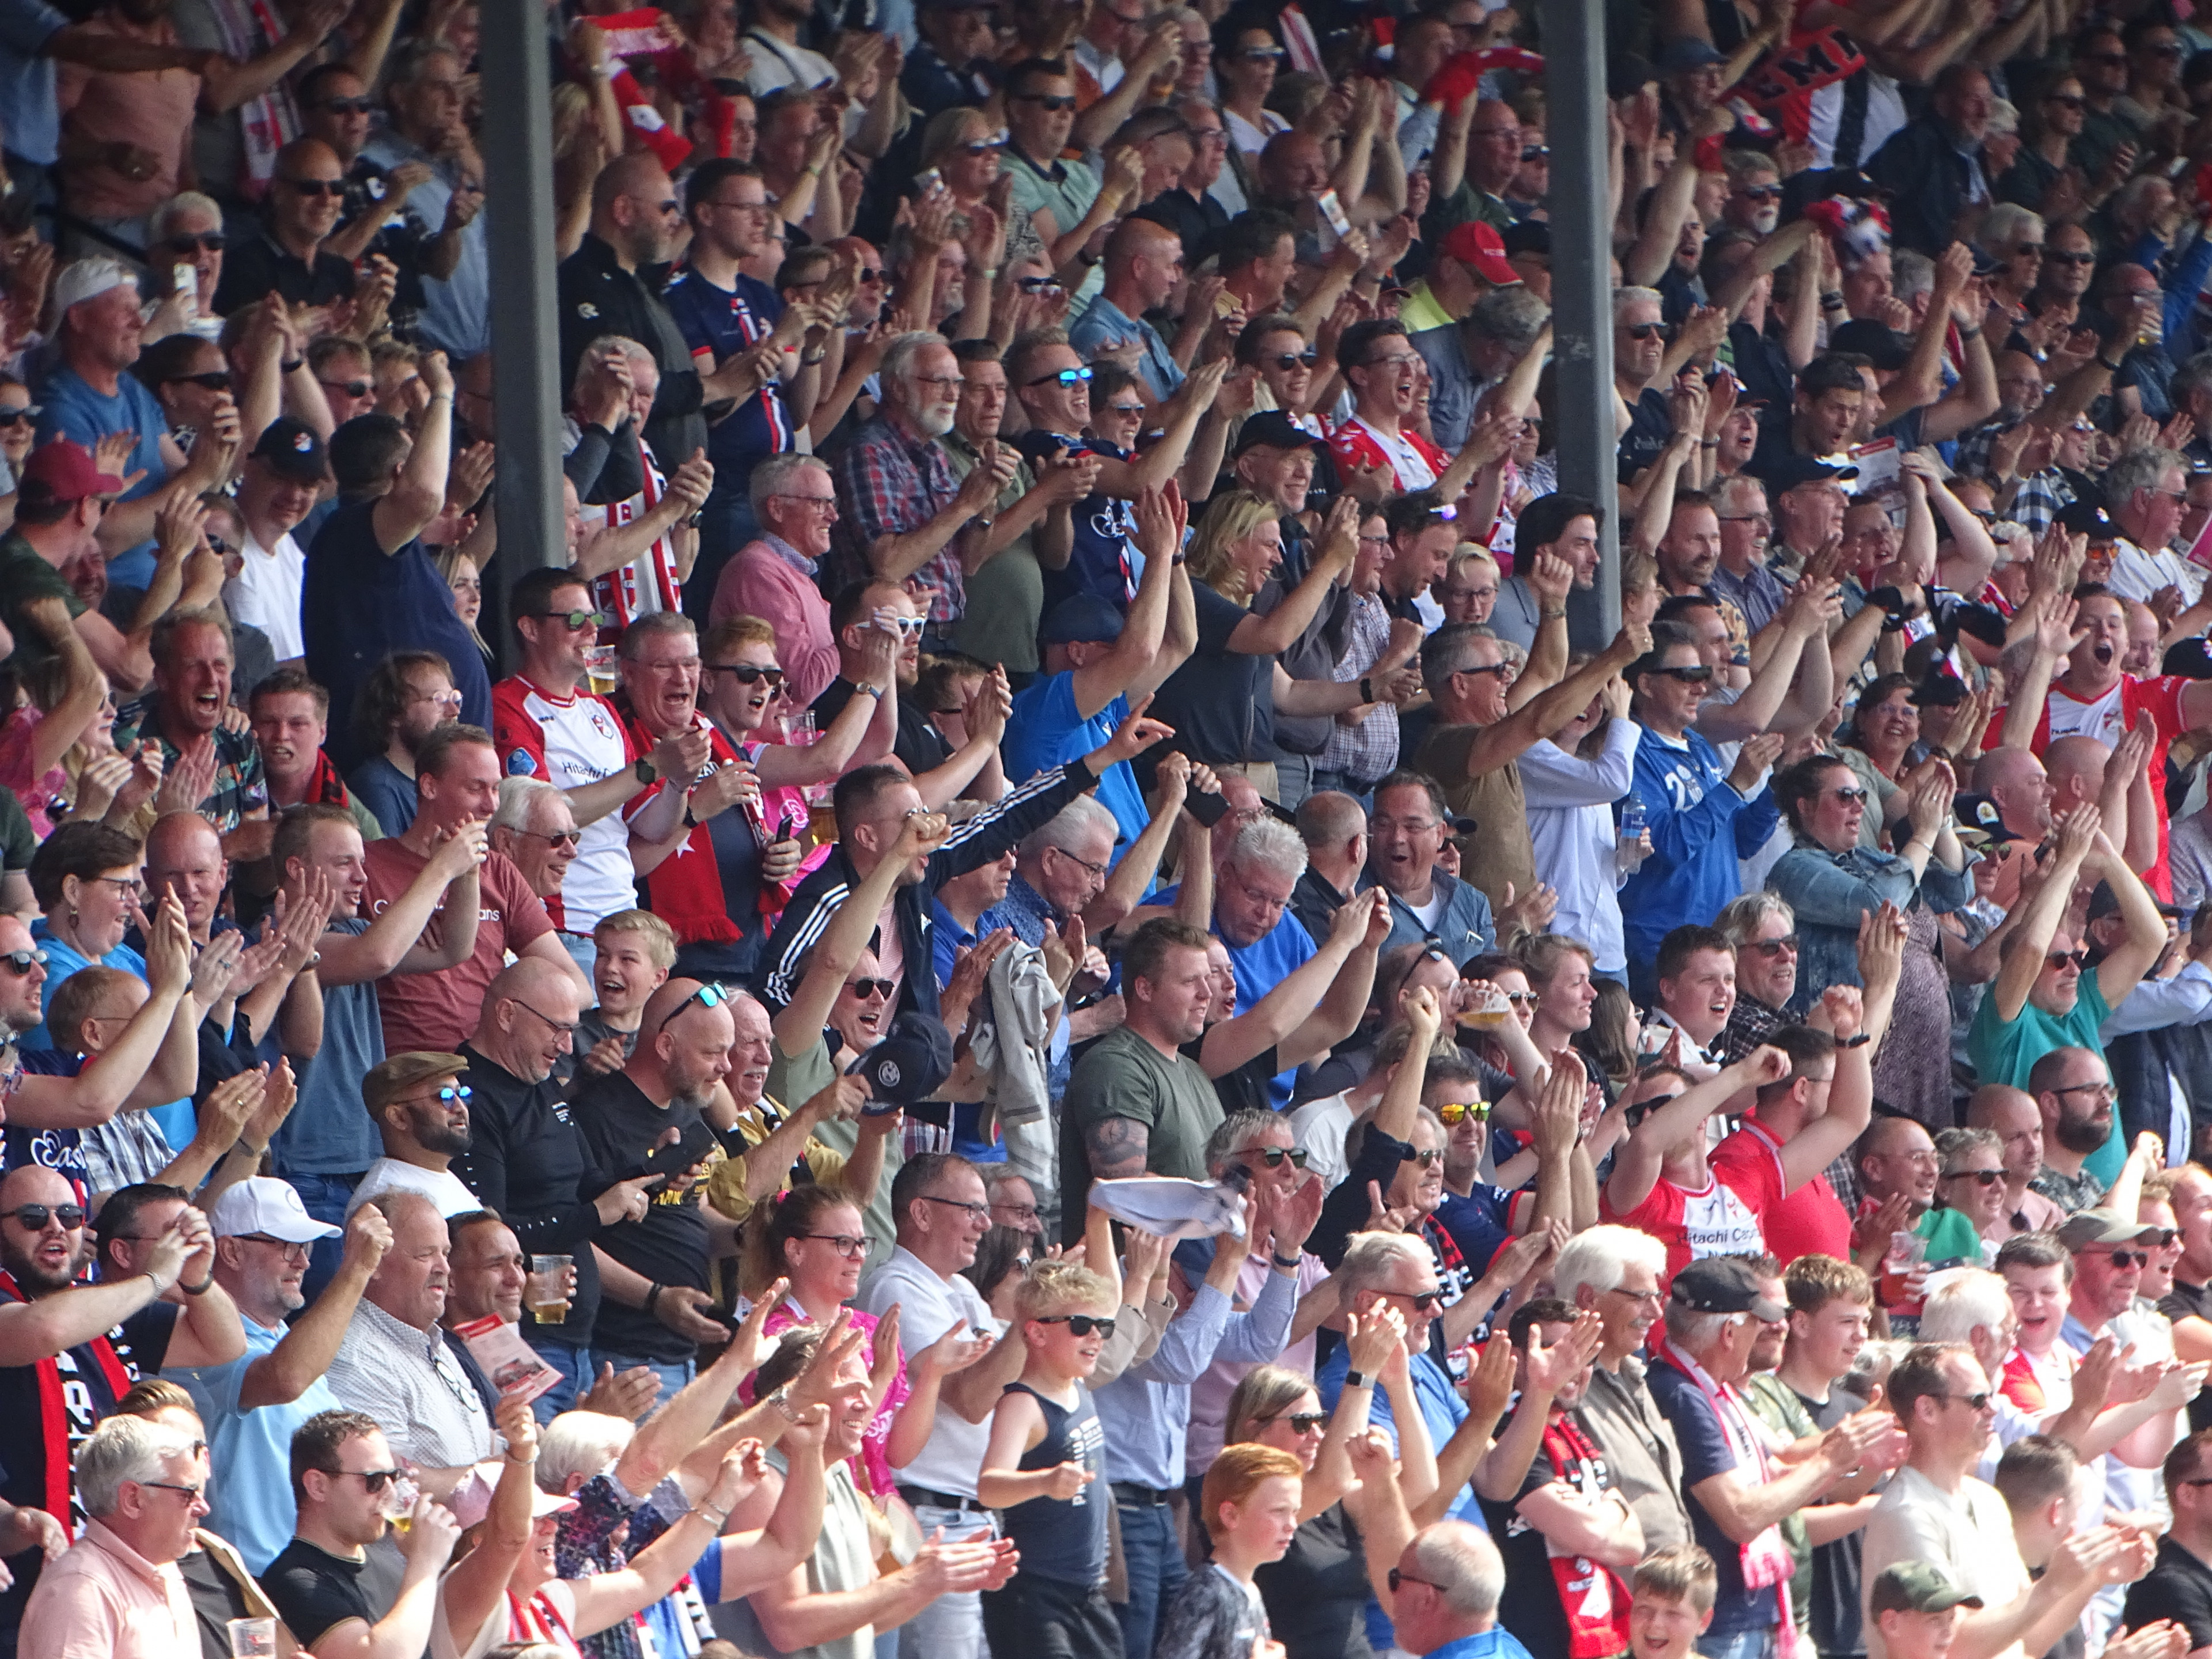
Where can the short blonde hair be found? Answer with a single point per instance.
(730, 632)
(659, 937)
(1054, 1286)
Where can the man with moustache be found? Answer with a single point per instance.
(903, 514)
(421, 1108)
(250, 1405)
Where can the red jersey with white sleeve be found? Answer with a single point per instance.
(569, 742)
(1714, 1221)
(1414, 462)
(1811, 1221)
(2105, 718)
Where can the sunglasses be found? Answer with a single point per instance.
(1972, 1401)
(747, 673)
(865, 988)
(215, 379)
(868, 274)
(1261, 55)
(1287, 360)
(909, 627)
(211, 242)
(348, 105)
(1125, 411)
(1543, 153)
(20, 962)
(1647, 330)
(1762, 193)
(332, 188)
(32, 1217)
(1635, 1114)
(1273, 1157)
(1079, 1324)
(1300, 1422)
(574, 621)
(1453, 1112)
(1850, 794)
(1697, 675)
(1979, 1177)
(2071, 259)
(1422, 1301)
(23, 416)
(374, 1480)
(1427, 1160)
(2071, 99)
(557, 837)
(452, 1092)
(2060, 958)
(1773, 947)
(2120, 1258)
(350, 388)
(1065, 377)
(1052, 101)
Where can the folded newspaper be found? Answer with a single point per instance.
(1172, 1207)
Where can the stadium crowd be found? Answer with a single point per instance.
(1342, 1116)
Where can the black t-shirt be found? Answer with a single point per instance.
(2178, 1587)
(1837, 1621)
(669, 1247)
(314, 1592)
(1221, 702)
(919, 746)
(147, 1331)
(1649, 428)
(217, 1600)
(526, 1159)
(2185, 1301)
(1529, 1605)
(1245, 1089)
(1317, 1595)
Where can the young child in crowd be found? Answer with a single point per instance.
(1250, 1499)
(1671, 1602)
(636, 949)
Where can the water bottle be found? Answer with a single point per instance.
(1628, 853)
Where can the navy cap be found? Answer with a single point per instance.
(1790, 469)
(1081, 619)
(293, 449)
(910, 1064)
(1275, 429)
(1722, 1284)
(2088, 518)
(1884, 345)
(1679, 57)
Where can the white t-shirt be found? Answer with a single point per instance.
(265, 593)
(1968, 1534)
(929, 1307)
(441, 1186)
(570, 743)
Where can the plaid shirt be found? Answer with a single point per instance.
(241, 789)
(1368, 750)
(890, 484)
(2038, 497)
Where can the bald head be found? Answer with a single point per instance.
(634, 208)
(2075, 766)
(1135, 239)
(529, 1019)
(528, 978)
(637, 173)
(2016, 781)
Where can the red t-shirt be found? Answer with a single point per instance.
(1811, 1221)
(437, 1010)
(1713, 1222)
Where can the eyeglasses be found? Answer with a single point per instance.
(443, 699)
(317, 186)
(1260, 55)
(1287, 360)
(1773, 947)
(1697, 675)
(1300, 1422)
(555, 838)
(1640, 1297)
(1273, 1157)
(1020, 1212)
(348, 105)
(828, 503)
(2080, 959)
(574, 621)
(567, 1027)
(1065, 377)
(1979, 1177)
(747, 673)
(373, 1480)
(285, 1246)
(865, 988)
(976, 1212)
(33, 1217)
(709, 996)
(1455, 1112)
(191, 1493)
(1748, 517)
(215, 379)
(845, 1244)
(125, 886)
(1099, 870)
(346, 388)
(20, 962)
(211, 241)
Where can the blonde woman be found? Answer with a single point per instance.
(1222, 702)
(466, 582)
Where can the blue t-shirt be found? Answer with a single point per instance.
(725, 323)
(251, 1505)
(1706, 1453)
(70, 409)
(27, 81)
(359, 604)
(947, 938)
(328, 1131)
(386, 790)
(49, 1149)
(1104, 559)
(177, 1120)
(1045, 730)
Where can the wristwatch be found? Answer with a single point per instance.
(1357, 1380)
(647, 773)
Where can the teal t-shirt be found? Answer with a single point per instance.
(2004, 1051)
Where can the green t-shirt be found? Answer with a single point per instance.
(797, 1079)
(1951, 1237)
(25, 578)
(1776, 1404)
(1123, 1075)
(2004, 1051)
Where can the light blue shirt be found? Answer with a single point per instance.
(27, 79)
(1104, 324)
(1146, 1411)
(1571, 830)
(250, 1499)
(456, 312)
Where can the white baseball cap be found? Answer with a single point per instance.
(88, 279)
(266, 1204)
(471, 1499)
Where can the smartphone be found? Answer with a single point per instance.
(1209, 809)
(1332, 210)
(679, 1155)
(929, 180)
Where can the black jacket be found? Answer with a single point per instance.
(598, 297)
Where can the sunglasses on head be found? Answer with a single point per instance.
(32, 1217)
(1065, 377)
(1456, 1112)
(574, 621)
(865, 988)
(20, 962)
(1979, 1177)
(210, 241)
(747, 673)
(709, 996)
(1287, 360)
(1079, 1324)
(318, 187)
(1053, 101)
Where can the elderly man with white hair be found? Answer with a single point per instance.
(909, 517)
(1251, 916)
(535, 828)
(118, 1592)
(1615, 1271)
(775, 577)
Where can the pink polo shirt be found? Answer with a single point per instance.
(103, 1600)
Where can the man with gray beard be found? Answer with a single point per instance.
(652, 1272)
(1741, 576)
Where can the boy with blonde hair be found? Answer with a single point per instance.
(1042, 1467)
(636, 950)
(1670, 1602)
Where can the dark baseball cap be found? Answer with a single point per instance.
(1980, 822)
(1721, 1284)
(2090, 520)
(1790, 469)
(910, 1064)
(1275, 429)
(1884, 345)
(1081, 619)
(292, 449)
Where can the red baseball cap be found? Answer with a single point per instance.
(63, 471)
(1482, 250)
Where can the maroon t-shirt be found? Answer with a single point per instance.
(437, 1010)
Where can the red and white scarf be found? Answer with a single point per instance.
(1591, 1594)
(1765, 1560)
(270, 120)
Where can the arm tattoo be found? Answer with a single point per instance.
(1116, 1147)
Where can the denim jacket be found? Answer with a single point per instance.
(1829, 891)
